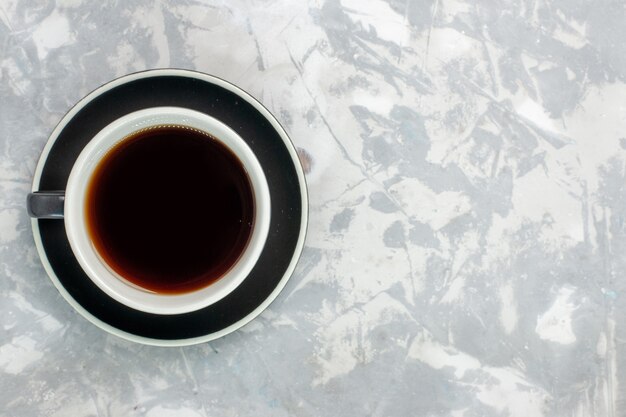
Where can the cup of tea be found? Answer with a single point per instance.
(166, 209)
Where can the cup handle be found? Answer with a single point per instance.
(46, 204)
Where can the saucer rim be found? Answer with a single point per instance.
(69, 115)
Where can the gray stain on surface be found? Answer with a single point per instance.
(341, 221)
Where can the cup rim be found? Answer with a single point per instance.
(92, 263)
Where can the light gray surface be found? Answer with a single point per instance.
(466, 248)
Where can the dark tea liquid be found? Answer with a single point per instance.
(170, 209)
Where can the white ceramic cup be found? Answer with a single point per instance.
(90, 260)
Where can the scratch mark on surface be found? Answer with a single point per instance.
(196, 386)
(430, 29)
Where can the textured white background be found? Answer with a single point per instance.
(467, 245)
